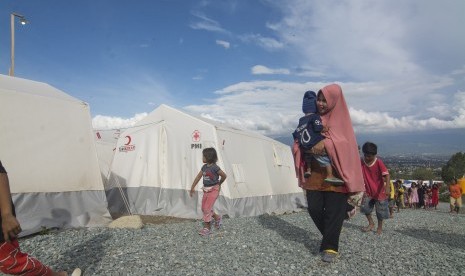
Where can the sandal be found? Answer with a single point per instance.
(76, 272)
(329, 256)
(205, 232)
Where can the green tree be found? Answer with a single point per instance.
(455, 167)
(393, 174)
(423, 173)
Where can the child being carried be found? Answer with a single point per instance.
(308, 133)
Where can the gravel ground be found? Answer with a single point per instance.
(414, 242)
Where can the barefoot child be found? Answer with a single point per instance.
(308, 134)
(12, 260)
(377, 188)
(213, 177)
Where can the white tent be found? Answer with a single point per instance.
(156, 161)
(47, 148)
(105, 143)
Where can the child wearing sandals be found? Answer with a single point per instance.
(308, 133)
(213, 177)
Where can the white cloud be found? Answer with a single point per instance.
(206, 24)
(273, 108)
(267, 43)
(310, 72)
(223, 43)
(263, 70)
(101, 122)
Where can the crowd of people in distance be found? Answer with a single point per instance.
(422, 195)
(418, 195)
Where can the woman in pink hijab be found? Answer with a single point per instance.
(327, 203)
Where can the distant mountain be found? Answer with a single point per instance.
(434, 142)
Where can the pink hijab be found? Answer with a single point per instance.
(341, 144)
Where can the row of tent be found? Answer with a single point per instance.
(65, 174)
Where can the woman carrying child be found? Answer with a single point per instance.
(327, 203)
(308, 133)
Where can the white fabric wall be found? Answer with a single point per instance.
(45, 141)
(47, 148)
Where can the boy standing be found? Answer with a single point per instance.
(12, 260)
(377, 188)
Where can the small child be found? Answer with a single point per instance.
(308, 134)
(12, 260)
(399, 194)
(427, 198)
(377, 188)
(455, 196)
(211, 189)
(391, 199)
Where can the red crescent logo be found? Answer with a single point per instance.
(129, 140)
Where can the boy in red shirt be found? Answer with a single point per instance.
(377, 188)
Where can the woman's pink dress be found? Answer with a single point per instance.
(414, 195)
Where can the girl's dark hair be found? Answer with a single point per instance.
(210, 155)
(370, 148)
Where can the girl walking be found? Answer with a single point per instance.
(213, 177)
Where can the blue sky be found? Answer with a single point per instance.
(401, 64)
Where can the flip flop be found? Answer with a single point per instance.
(76, 272)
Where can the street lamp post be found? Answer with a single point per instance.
(23, 21)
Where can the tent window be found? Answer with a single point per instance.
(277, 156)
(238, 172)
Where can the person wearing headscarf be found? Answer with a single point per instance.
(308, 133)
(327, 204)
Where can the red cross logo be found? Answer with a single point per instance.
(196, 136)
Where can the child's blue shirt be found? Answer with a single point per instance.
(308, 132)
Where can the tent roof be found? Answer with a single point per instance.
(24, 86)
(152, 118)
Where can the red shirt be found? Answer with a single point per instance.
(373, 177)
